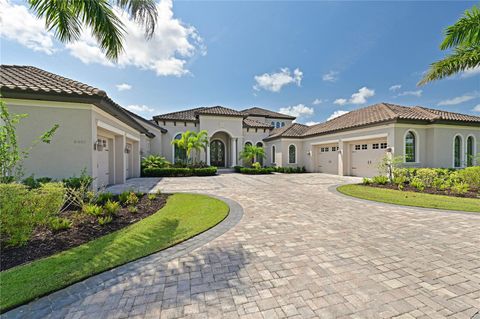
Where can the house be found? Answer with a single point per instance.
(108, 141)
(95, 134)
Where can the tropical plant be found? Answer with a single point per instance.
(154, 161)
(380, 179)
(103, 220)
(11, 155)
(252, 152)
(68, 18)
(59, 223)
(388, 164)
(92, 209)
(464, 38)
(192, 141)
(257, 165)
(111, 208)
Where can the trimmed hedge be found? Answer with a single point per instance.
(255, 171)
(291, 170)
(179, 171)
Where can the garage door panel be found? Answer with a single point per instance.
(327, 158)
(365, 157)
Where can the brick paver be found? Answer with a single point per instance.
(303, 251)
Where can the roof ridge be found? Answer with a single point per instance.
(427, 112)
(388, 107)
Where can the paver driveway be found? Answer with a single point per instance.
(302, 251)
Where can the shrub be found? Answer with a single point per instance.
(31, 182)
(179, 171)
(237, 169)
(471, 176)
(380, 180)
(440, 183)
(151, 196)
(83, 181)
(366, 181)
(132, 209)
(399, 180)
(154, 161)
(123, 197)
(256, 165)
(103, 198)
(103, 220)
(22, 210)
(427, 176)
(290, 170)
(417, 183)
(58, 224)
(92, 209)
(132, 199)
(254, 171)
(459, 188)
(111, 208)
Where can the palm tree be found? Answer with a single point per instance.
(68, 17)
(250, 152)
(464, 38)
(192, 141)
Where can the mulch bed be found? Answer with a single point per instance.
(408, 188)
(85, 228)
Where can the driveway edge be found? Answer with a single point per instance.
(57, 300)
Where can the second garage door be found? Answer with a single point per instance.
(327, 158)
(365, 157)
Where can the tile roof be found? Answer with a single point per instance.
(258, 111)
(256, 124)
(29, 82)
(149, 122)
(191, 114)
(375, 114)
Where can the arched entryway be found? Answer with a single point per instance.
(217, 153)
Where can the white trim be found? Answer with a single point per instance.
(462, 162)
(288, 153)
(133, 138)
(110, 128)
(417, 147)
(222, 130)
(247, 141)
(46, 103)
(453, 126)
(325, 142)
(365, 137)
(474, 149)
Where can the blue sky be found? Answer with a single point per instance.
(277, 55)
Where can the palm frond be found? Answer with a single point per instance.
(461, 59)
(466, 31)
(141, 11)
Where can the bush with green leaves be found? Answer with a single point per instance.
(417, 183)
(380, 180)
(366, 181)
(427, 176)
(290, 170)
(132, 209)
(103, 220)
(92, 209)
(33, 182)
(83, 181)
(154, 161)
(471, 176)
(151, 196)
(23, 209)
(180, 171)
(103, 197)
(255, 171)
(111, 207)
(459, 188)
(59, 223)
(132, 199)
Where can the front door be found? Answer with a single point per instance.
(217, 153)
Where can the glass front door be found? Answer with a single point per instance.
(217, 153)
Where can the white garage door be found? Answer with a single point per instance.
(103, 169)
(327, 158)
(365, 157)
(129, 159)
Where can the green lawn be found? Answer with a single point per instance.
(411, 198)
(184, 216)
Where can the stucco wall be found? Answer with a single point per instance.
(174, 128)
(70, 150)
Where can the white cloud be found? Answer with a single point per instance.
(417, 93)
(336, 114)
(275, 81)
(476, 108)
(311, 123)
(18, 24)
(317, 101)
(395, 87)
(331, 76)
(470, 72)
(135, 108)
(359, 97)
(123, 87)
(458, 99)
(298, 111)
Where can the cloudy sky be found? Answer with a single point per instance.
(315, 60)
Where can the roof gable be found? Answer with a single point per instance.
(258, 111)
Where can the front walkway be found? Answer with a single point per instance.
(301, 251)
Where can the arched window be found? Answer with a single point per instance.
(273, 123)
(292, 154)
(410, 147)
(277, 125)
(179, 154)
(260, 158)
(470, 150)
(248, 143)
(457, 151)
(283, 124)
(273, 153)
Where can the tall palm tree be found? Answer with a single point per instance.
(250, 152)
(464, 38)
(68, 17)
(192, 141)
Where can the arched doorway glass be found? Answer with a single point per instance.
(260, 158)
(217, 153)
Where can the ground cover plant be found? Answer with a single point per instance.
(182, 217)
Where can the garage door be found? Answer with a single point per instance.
(103, 169)
(129, 159)
(365, 157)
(327, 158)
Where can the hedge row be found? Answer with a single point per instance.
(257, 171)
(179, 171)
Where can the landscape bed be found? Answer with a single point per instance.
(182, 217)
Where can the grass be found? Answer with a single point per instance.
(411, 198)
(183, 216)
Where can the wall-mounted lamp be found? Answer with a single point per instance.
(389, 150)
(309, 153)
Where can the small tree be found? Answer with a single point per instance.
(11, 155)
(250, 152)
(192, 141)
(388, 164)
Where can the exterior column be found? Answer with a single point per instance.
(136, 159)
(208, 153)
(342, 158)
(119, 158)
(233, 144)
